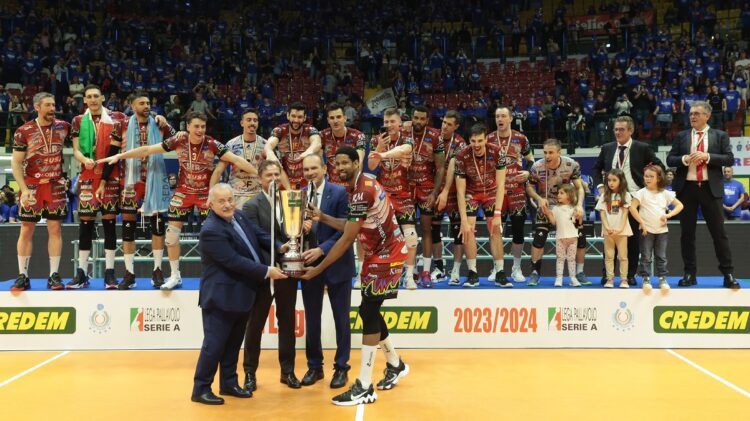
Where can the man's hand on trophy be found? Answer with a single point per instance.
(284, 248)
(312, 255)
(310, 272)
(313, 212)
(307, 226)
(276, 273)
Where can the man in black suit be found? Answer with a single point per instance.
(699, 155)
(333, 200)
(258, 211)
(232, 269)
(631, 156)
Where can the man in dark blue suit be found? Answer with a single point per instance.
(232, 268)
(332, 200)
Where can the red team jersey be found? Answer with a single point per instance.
(290, 147)
(43, 146)
(196, 161)
(393, 174)
(515, 147)
(331, 143)
(479, 172)
(380, 237)
(422, 169)
(452, 146)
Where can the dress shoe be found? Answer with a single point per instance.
(250, 383)
(632, 282)
(312, 376)
(208, 398)
(688, 280)
(290, 380)
(340, 378)
(731, 282)
(237, 392)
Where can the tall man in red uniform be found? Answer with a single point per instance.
(372, 221)
(515, 145)
(95, 134)
(391, 153)
(294, 141)
(37, 167)
(480, 183)
(195, 153)
(426, 177)
(447, 201)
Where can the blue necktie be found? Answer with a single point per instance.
(238, 228)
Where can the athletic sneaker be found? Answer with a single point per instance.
(454, 281)
(624, 283)
(110, 281)
(54, 282)
(128, 282)
(517, 275)
(408, 282)
(574, 282)
(355, 395)
(558, 282)
(174, 281)
(533, 279)
(22, 283)
(646, 283)
(426, 279)
(609, 283)
(502, 281)
(393, 374)
(80, 281)
(663, 284)
(582, 279)
(358, 281)
(491, 277)
(157, 278)
(472, 280)
(437, 275)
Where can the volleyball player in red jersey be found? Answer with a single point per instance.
(292, 142)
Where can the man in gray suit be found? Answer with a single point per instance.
(258, 210)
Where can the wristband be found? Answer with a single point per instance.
(498, 213)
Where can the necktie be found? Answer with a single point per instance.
(621, 157)
(700, 167)
(238, 228)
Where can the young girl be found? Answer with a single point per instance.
(614, 205)
(653, 202)
(562, 216)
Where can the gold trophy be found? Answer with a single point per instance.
(293, 205)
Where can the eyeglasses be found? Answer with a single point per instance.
(697, 114)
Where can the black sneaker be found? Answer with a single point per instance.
(355, 395)
(393, 374)
(157, 278)
(80, 281)
(502, 281)
(128, 281)
(22, 283)
(472, 280)
(110, 281)
(54, 282)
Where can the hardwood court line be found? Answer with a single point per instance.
(360, 415)
(34, 368)
(710, 374)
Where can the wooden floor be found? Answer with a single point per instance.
(443, 384)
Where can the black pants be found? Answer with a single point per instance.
(286, 298)
(222, 339)
(692, 196)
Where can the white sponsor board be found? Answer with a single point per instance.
(381, 100)
(741, 151)
(597, 318)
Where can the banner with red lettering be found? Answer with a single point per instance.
(594, 24)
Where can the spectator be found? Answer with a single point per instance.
(623, 105)
(734, 195)
(664, 112)
(719, 104)
(76, 91)
(200, 106)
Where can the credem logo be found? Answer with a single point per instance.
(401, 319)
(40, 320)
(701, 319)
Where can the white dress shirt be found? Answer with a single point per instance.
(632, 187)
(692, 168)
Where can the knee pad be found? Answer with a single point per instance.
(582, 243)
(411, 237)
(436, 234)
(369, 311)
(455, 229)
(110, 234)
(85, 235)
(128, 231)
(157, 226)
(517, 222)
(172, 236)
(540, 237)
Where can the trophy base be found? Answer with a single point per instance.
(294, 268)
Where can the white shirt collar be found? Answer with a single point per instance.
(627, 144)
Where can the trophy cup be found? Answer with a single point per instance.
(292, 204)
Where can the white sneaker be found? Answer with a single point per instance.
(574, 282)
(454, 281)
(491, 278)
(174, 281)
(624, 284)
(437, 276)
(663, 285)
(358, 281)
(558, 282)
(517, 275)
(610, 283)
(408, 281)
